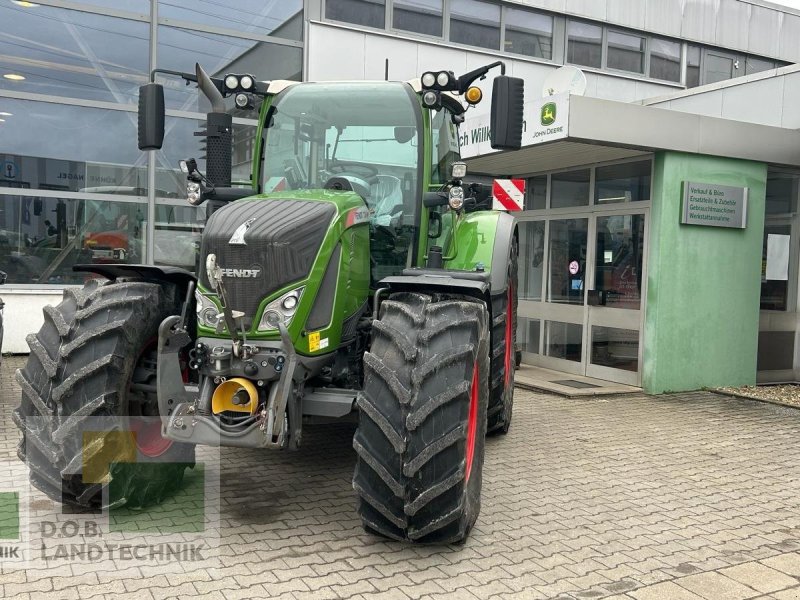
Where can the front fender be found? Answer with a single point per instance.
(484, 238)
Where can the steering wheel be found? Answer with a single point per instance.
(367, 172)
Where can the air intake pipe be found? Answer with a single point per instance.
(218, 132)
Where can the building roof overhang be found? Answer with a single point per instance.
(603, 130)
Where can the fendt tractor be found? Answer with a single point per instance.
(356, 277)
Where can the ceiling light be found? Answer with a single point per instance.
(14, 76)
(25, 3)
(2, 120)
(5, 114)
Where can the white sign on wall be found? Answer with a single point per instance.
(546, 119)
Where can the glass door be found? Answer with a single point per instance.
(615, 299)
(721, 66)
(581, 282)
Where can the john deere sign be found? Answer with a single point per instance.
(546, 119)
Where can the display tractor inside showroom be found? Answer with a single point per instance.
(356, 277)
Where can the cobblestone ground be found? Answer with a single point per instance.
(683, 496)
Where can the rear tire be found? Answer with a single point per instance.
(504, 354)
(422, 419)
(91, 348)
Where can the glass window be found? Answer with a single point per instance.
(625, 52)
(178, 229)
(42, 238)
(584, 44)
(692, 66)
(58, 52)
(567, 260)
(615, 348)
(775, 262)
(570, 188)
(754, 64)
(70, 148)
(783, 189)
(179, 49)
(528, 333)
(371, 13)
(282, 19)
(563, 340)
(531, 258)
(718, 67)
(445, 143)
(665, 59)
(618, 260)
(475, 23)
(536, 193)
(419, 16)
(368, 135)
(529, 33)
(626, 182)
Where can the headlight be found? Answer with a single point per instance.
(456, 197)
(206, 310)
(280, 310)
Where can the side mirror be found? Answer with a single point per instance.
(151, 116)
(508, 98)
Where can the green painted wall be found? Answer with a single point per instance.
(703, 285)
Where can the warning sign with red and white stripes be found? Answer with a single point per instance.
(508, 194)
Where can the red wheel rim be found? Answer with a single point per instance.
(509, 332)
(472, 420)
(147, 430)
(148, 436)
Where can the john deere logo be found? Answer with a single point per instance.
(548, 113)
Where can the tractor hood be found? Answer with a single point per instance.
(264, 244)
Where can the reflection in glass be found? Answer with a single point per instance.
(615, 348)
(754, 64)
(178, 229)
(625, 52)
(563, 340)
(618, 260)
(536, 193)
(528, 332)
(569, 189)
(718, 68)
(529, 33)
(282, 19)
(419, 16)
(42, 238)
(584, 44)
(62, 52)
(783, 189)
(475, 23)
(665, 59)
(625, 182)
(531, 256)
(371, 13)
(86, 149)
(180, 49)
(692, 66)
(567, 260)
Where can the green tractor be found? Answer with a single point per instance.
(357, 277)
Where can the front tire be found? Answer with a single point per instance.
(422, 418)
(93, 358)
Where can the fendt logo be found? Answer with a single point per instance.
(241, 273)
(548, 116)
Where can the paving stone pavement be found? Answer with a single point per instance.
(680, 496)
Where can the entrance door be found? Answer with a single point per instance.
(581, 285)
(721, 66)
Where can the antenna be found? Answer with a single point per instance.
(565, 80)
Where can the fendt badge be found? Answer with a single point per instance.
(245, 273)
(237, 239)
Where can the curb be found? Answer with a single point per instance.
(755, 398)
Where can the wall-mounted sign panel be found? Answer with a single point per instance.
(546, 119)
(714, 205)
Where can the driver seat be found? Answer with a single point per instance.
(386, 199)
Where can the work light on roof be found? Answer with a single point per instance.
(428, 79)
(246, 82)
(231, 82)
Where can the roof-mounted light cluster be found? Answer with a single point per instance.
(436, 82)
(242, 86)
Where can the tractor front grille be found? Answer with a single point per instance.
(281, 244)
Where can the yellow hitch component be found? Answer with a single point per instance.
(228, 391)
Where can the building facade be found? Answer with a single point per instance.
(74, 188)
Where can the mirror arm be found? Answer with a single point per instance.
(467, 79)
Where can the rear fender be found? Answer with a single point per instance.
(172, 275)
